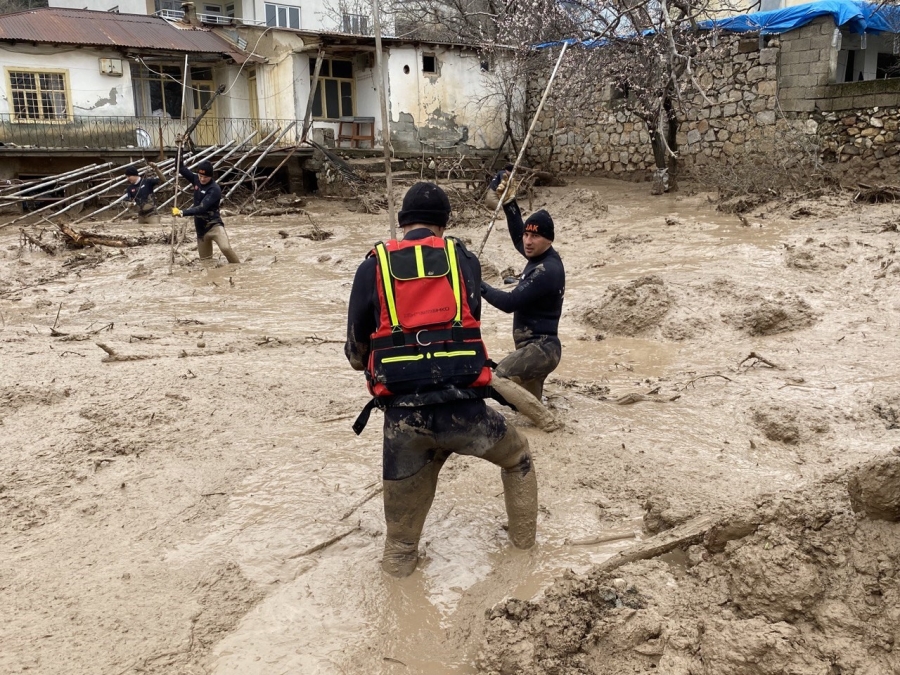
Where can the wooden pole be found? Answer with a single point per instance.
(381, 82)
(307, 118)
(512, 173)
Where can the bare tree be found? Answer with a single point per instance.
(10, 6)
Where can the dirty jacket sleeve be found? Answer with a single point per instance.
(540, 282)
(362, 313)
(515, 224)
(187, 174)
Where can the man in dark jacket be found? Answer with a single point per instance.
(140, 192)
(423, 428)
(207, 220)
(536, 302)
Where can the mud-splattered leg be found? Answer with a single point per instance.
(511, 454)
(406, 505)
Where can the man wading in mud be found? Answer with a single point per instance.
(536, 302)
(140, 193)
(413, 326)
(207, 220)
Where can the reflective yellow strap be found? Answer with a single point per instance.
(386, 278)
(420, 263)
(457, 353)
(454, 276)
(395, 359)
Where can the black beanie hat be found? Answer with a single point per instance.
(131, 171)
(205, 169)
(425, 203)
(540, 223)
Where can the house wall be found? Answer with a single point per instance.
(90, 92)
(452, 106)
(124, 6)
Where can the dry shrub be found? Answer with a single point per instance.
(789, 164)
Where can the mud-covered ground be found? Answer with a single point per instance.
(199, 504)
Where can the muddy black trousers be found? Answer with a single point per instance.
(531, 363)
(417, 442)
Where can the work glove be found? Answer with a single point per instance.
(511, 194)
(484, 289)
(177, 212)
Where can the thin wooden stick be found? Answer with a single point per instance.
(512, 173)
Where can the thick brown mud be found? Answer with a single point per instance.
(207, 508)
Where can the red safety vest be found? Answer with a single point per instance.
(427, 339)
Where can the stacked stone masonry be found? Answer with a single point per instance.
(761, 95)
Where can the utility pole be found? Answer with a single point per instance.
(382, 84)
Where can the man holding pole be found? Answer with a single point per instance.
(413, 326)
(536, 302)
(207, 220)
(140, 192)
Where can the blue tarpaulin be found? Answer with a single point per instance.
(856, 17)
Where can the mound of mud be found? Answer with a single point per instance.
(579, 204)
(632, 308)
(787, 425)
(779, 314)
(808, 588)
(818, 256)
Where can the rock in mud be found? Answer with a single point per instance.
(632, 308)
(875, 489)
(779, 314)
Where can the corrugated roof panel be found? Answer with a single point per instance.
(104, 29)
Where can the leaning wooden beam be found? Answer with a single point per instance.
(261, 157)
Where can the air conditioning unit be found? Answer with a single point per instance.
(111, 67)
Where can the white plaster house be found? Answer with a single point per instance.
(81, 78)
(76, 78)
(440, 96)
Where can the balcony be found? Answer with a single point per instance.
(82, 134)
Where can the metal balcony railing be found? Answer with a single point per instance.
(115, 133)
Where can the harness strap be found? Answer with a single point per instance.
(363, 419)
(425, 337)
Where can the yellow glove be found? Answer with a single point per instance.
(176, 212)
(511, 194)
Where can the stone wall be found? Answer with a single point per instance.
(864, 141)
(761, 96)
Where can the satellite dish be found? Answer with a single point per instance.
(143, 138)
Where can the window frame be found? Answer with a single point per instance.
(138, 81)
(14, 117)
(287, 13)
(323, 103)
(434, 62)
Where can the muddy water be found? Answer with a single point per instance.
(331, 610)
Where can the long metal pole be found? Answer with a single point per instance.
(512, 173)
(381, 84)
(53, 182)
(261, 157)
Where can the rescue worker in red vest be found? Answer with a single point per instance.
(414, 327)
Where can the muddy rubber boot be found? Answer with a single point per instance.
(520, 495)
(406, 505)
(526, 403)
